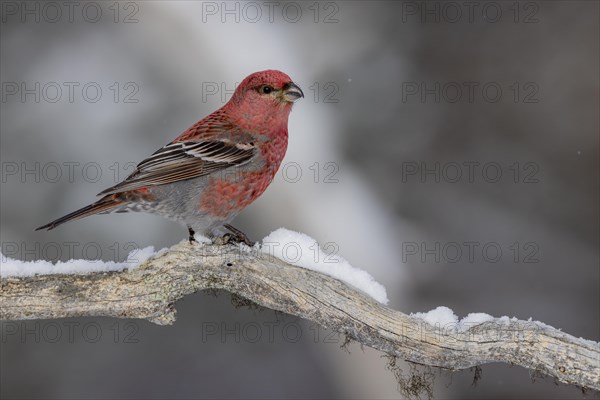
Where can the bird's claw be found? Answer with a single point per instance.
(235, 236)
(191, 233)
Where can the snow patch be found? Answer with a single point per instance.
(303, 251)
(473, 319)
(9, 267)
(441, 315)
(444, 317)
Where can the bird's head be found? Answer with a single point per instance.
(266, 93)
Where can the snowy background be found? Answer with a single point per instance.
(452, 156)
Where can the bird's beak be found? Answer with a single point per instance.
(292, 92)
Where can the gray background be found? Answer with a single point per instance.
(357, 64)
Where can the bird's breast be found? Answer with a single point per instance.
(234, 189)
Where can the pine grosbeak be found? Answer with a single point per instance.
(216, 168)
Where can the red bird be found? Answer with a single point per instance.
(216, 168)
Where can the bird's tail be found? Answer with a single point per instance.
(105, 204)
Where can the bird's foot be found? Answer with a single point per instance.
(191, 233)
(235, 236)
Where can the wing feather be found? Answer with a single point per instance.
(185, 160)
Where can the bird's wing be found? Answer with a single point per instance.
(179, 161)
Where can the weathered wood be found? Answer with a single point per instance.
(150, 291)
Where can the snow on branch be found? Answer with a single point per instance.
(437, 338)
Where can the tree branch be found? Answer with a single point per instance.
(150, 291)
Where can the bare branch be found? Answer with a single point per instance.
(150, 291)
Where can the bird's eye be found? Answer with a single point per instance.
(266, 89)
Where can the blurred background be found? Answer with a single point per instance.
(451, 150)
